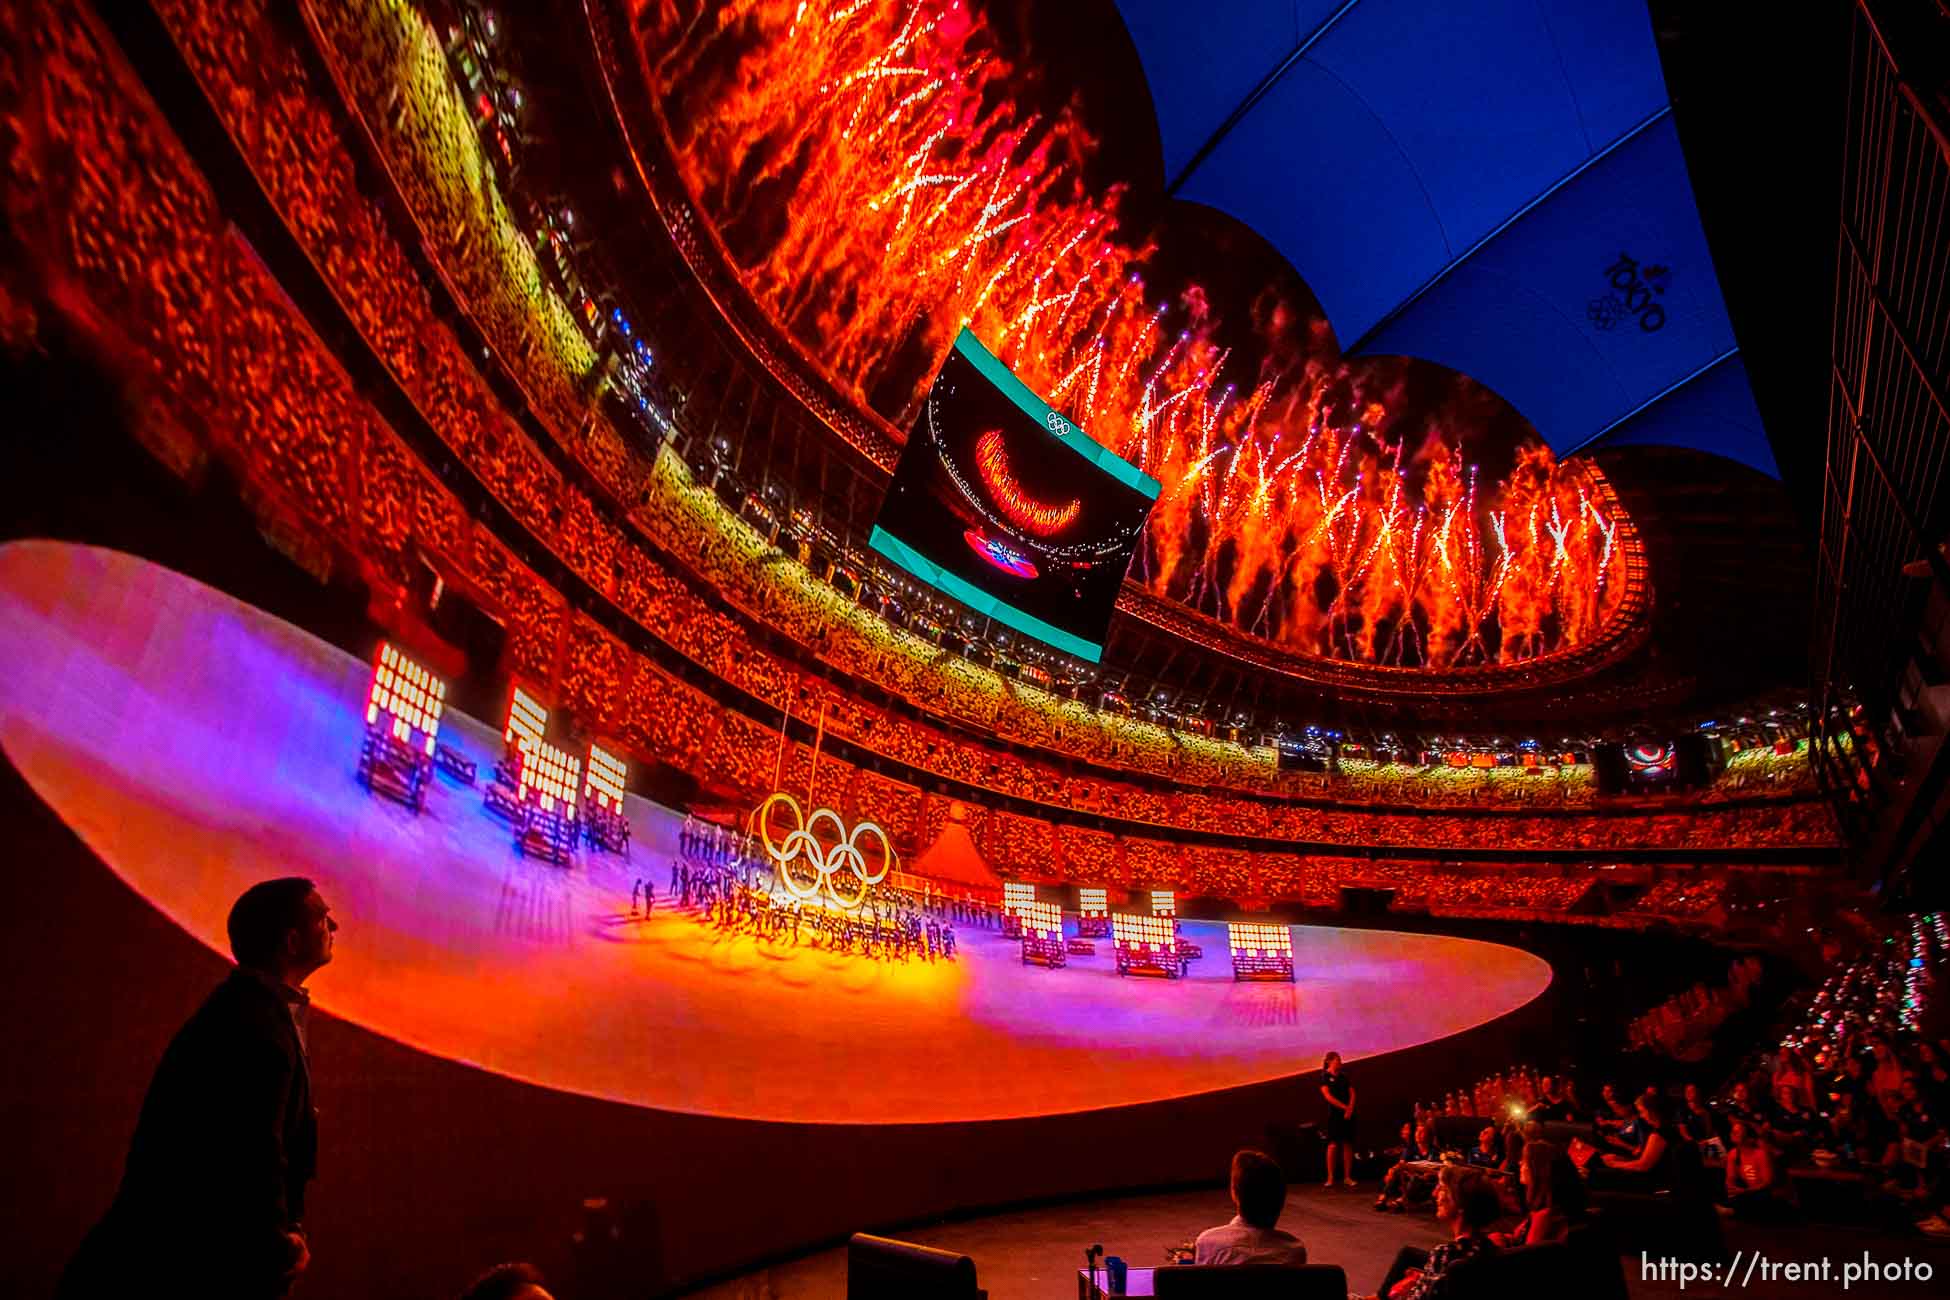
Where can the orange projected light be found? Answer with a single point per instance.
(407, 693)
(606, 780)
(1043, 921)
(527, 719)
(1021, 509)
(1093, 902)
(551, 777)
(1163, 903)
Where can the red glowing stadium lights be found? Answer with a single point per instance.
(1260, 950)
(1146, 945)
(603, 822)
(403, 707)
(1163, 903)
(1016, 896)
(1093, 913)
(1042, 935)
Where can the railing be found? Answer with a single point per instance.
(1884, 512)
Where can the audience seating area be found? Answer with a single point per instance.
(1847, 1110)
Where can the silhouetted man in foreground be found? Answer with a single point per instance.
(213, 1195)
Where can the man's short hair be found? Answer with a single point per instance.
(504, 1282)
(1259, 1188)
(263, 915)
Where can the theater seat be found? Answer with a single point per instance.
(1665, 1223)
(880, 1268)
(1582, 1266)
(1252, 1282)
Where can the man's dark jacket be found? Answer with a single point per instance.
(217, 1168)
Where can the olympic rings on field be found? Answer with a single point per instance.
(802, 843)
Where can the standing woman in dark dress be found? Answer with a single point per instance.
(1338, 1091)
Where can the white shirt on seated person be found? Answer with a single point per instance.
(1240, 1242)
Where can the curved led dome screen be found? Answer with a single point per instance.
(1008, 507)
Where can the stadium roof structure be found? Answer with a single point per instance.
(1496, 187)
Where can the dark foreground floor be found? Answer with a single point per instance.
(1035, 1254)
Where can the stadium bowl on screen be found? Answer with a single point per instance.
(1005, 505)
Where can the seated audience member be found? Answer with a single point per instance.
(1933, 1077)
(1791, 1125)
(1552, 1107)
(1696, 1123)
(1615, 1119)
(1740, 1105)
(1401, 1182)
(1792, 1073)
(1467, 1205)
(1653, 1166)
(1850, 1081)
(1755, 1188)
(1259, 1194)
(1488, 1152)
(1886, 1080)
(1553, 1197)
(1911, 1108)
(1916, 1160)
(1571, 1102)
(508, 1282)
(1848, 1129)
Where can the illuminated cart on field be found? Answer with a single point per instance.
(527, 723)
(1093, 913)
(1146, 945)
(1015, 897)
(1261, 950)
(403, 710)
(547, 784)
(1164, 903)
(455, 764)
(603, 823)
(1042, 935)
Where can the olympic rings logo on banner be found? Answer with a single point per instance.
(823, 860)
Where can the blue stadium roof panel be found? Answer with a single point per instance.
(1496, 187)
